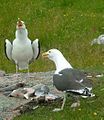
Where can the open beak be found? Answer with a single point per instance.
(45, 55)
(19, 23)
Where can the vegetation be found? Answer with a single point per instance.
(70, 26)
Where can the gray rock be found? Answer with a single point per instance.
(12, 87)
(8, 84)
(2, 73)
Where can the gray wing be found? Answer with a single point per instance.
(36, 49)
(71, 79)
(80, 77)
(8, 49)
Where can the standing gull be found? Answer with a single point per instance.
(68, 79)
(22, 50)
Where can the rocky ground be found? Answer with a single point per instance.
(8, 104)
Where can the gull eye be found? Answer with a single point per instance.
(49, 51)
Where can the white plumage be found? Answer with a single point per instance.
(99, 40)
(22, 50)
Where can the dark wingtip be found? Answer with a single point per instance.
(39, 49)
(6, 53)
(5, 50)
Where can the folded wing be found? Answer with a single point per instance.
(70, 80)
(36, 50)
(8, 49)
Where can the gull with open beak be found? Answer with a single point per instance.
(22, 51)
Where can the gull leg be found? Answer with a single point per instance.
(16, 69)
(62, 107)
(28, 73)
(63, 101)
(17, 74)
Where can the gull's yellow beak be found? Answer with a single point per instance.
(45, 55)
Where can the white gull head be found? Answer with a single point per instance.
(21, 31)
(59, 60)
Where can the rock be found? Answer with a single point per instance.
(2, 73)
(8, 83)
(12, 87)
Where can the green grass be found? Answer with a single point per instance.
(70, 26)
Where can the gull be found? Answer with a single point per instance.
(67, 79)
(22, 51)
